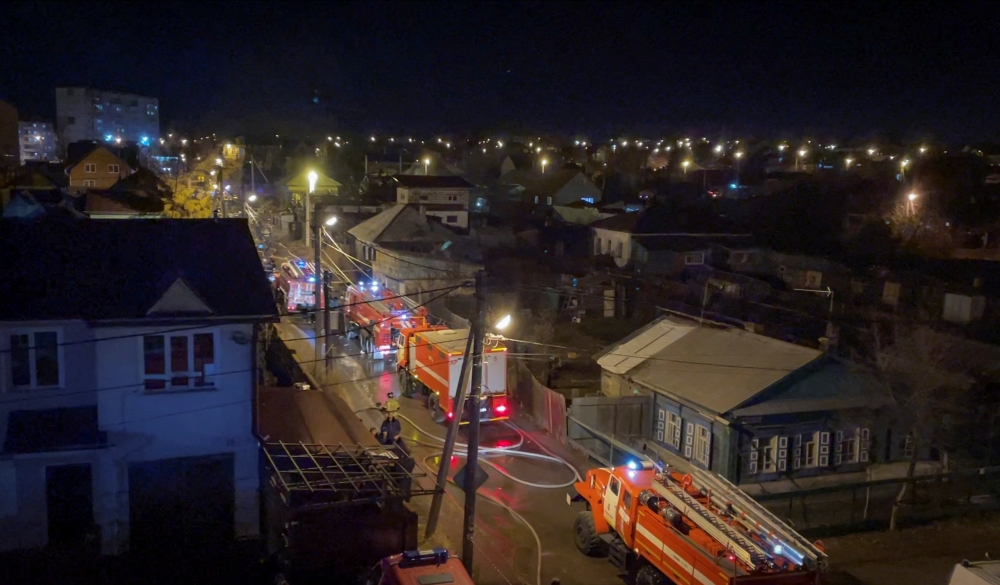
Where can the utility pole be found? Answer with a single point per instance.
(472, 455)
(318, 284)
(450, 437)
(327, 277)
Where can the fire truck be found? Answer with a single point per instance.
(375, 319)
(662, 526)
(420, 566)
(429, 360)
(297, 280)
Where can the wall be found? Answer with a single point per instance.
(102, 177)
(9, 141)
(97, 114)
(451, 217)
(454, 197)
(145, 426)
(578, 188)
(23, 511)
(406, 273)
(609, 242)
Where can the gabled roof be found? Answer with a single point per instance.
(402, 223)
(714, 367)
(433, 182)
(41, 176)
(623, 222)
(63, 268)
(142, 179)
(539, 184)
(85, 153)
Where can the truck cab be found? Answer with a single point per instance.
(421, 567)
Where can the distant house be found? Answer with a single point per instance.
(128, 367)
(299, 185)
(141, 194)
(96, 168)
(410, 252)
(552, 187)
(444, 197)
(749, 407)
(660, 240)
(45, 182)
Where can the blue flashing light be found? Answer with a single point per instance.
(633, 465)
(311, 279)
(145, 140)
(631, 474)
(108, 138)
(374, 286)
(301, 263)
(778, 549)
(732, 185)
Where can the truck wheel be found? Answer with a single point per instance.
(586, 537)
(648, 575)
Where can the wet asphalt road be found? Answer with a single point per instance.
(506, 550)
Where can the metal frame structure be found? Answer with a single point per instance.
(317, 475)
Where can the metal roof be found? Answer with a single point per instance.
(718, 368)
(402, 223)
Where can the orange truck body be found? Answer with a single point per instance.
(297, 279)
(431, 357)
(662, 523)
(419, 567)
(377, 314)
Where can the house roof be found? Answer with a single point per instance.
(539, 184)
(433, 182)
(41, 176)
(623, 222)
(717, 368)
(401, 223)
(692, 242)
(57, 267)
(668, 219)
(835, 386)
(84, 153)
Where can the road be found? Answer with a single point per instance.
(507, 551)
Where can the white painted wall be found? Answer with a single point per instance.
(146, 426)
(615, 244)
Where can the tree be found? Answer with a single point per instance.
(910, 367)
(188, 203)
(920, 230)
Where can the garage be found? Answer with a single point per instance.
(182, 507)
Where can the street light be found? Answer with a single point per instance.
(685, 164)
(313, 177)
(912, 196)
(544, 162)
(801, 153)
(503, 323)
(330, 221)
(427, 163)
(847, 162)
(252, 198)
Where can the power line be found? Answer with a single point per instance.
(205, 325)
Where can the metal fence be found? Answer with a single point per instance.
(598, 445)
(842, 509)
(546, 406)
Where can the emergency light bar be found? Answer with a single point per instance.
(438, 556)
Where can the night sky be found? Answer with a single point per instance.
(837, 69)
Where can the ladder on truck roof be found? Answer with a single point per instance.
(794, 547)
(742, 547)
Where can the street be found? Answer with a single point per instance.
(508, 550)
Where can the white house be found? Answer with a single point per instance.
(444, 197)
(128, 361)
(551, 187)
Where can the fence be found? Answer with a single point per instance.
(868, 505)
(546, 406)
(608, 428)
(598, 445)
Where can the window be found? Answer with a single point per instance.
(689, 440)
(703, 445)
(548, 201)
(614, 485)
(587, 199)
(674, 430)
(619, 249)
(769, 457)
(694, 258)
(451, 219)
(90, 168)
(797, 453)
(115, 169)
(178, 361)
(89, 183)
(754, 455)
(627, 500)
(35, 359)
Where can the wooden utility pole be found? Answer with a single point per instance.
(475, 398)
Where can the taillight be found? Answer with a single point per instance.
(501, 408)
(451, 415)
(499, 405)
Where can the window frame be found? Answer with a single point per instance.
(89, 183)
(689, 258)
(703, 445)
(674, 436)
(114, 169)
(8, 381)
(192, 375)
(90, 168)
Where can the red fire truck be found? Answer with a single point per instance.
(375, 316)
(297, 280)
(663, 526)
(429, 360)
(416, 567)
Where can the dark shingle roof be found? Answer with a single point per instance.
(433, 182)
(64, 268)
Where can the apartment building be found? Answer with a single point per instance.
(92, 114)
(38, 142)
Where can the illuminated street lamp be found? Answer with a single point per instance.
(313, 177)
(686, 164)
(503, 323)
(871, 151)
(544, 162)
(330, 221)
(911, 204)
(847, 162)
(718, 149)
(923, 149)
(801, 154)
(252, 198)
(902, 168)
(427, 163)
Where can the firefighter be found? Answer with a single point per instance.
(391, 427)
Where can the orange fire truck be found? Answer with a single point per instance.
(375, 319)
(429, 360)
(297, 280)
(662, 526)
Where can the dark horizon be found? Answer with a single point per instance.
(776, 69)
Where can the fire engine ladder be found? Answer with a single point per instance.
(744, 549)
(724, 493)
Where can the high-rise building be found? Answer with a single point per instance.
(91, 114)
(38, 142)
